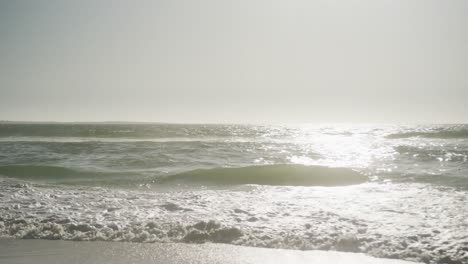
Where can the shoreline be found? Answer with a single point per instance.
(38, 251)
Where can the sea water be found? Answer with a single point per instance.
(397, 191)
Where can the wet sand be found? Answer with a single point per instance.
(21, 251)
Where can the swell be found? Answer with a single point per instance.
(35, 139)
(443, 134)
(98, 130)
(124, 130)
(284, 174)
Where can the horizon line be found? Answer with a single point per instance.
(223, 123)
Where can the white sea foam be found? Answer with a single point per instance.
(413, 222)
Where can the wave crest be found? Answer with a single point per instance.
(285, 174)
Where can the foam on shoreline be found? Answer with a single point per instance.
(429, 229)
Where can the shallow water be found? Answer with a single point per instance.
(388, 191)
(15, 251)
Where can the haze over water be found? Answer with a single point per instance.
(218, 61)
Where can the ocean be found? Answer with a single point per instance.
(395, 191)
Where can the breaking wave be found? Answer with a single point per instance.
(349, 219)
(285, 174)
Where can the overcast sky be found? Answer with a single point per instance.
(234, 61)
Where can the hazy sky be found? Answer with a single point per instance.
(234, 61)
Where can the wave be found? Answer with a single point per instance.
(443, 134)
(120, 140)
(285, 174)
(126, 130)
(420, 152)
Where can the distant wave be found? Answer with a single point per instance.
(448, 134)
(120, 140)
(286, 174)
(106, 130)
